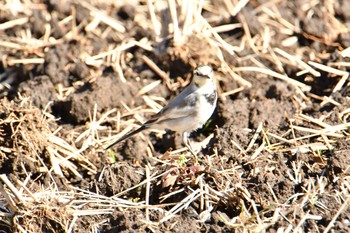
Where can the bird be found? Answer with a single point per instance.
(188, 111)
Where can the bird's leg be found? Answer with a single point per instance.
(187, 143)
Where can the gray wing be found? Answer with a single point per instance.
(181, 106)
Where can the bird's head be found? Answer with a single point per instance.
(202, 75)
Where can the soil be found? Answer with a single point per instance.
(65, 89)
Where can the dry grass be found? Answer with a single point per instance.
(213, 185)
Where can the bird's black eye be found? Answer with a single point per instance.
(202, 75)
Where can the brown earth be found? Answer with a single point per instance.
(54, 100)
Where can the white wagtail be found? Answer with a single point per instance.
(186, 112)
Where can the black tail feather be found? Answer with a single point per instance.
(143, 127)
